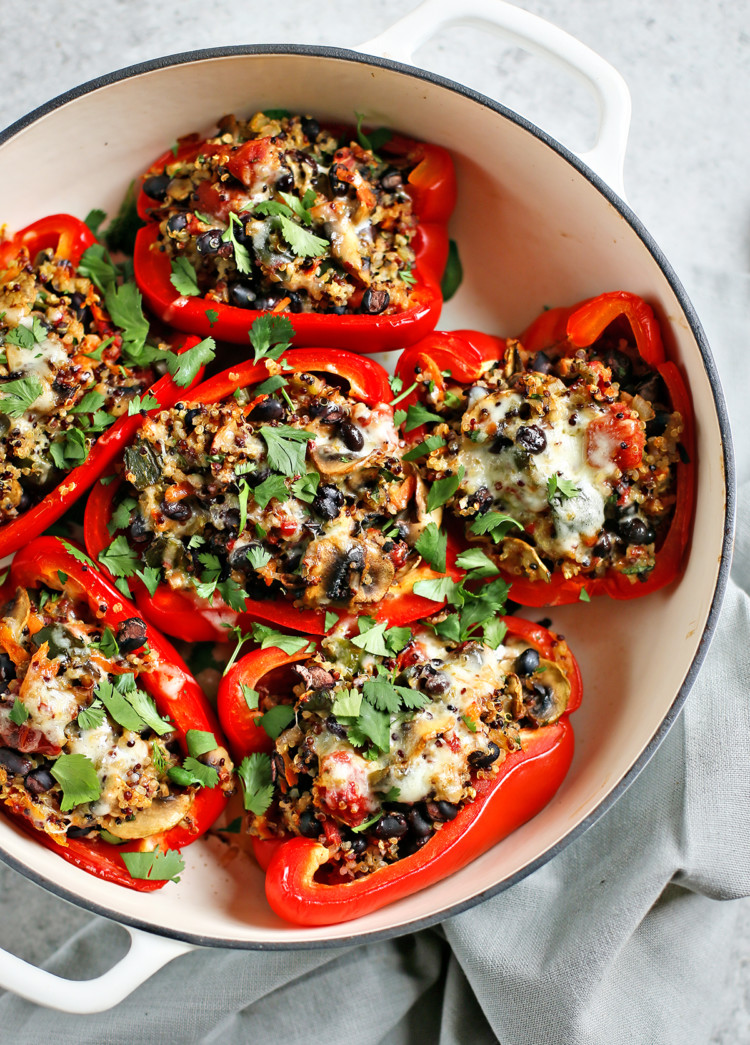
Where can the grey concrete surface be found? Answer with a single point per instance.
(688, 68)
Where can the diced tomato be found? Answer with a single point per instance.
(343, 788)
(619, 436)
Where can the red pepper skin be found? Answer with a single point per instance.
(579, 326)
(526, 782)
(70, 238)
(432, 184)
(184, 614)
(175, 692)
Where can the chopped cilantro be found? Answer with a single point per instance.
(287, 447)
(584, 596)
(453, 273)
(432, 442)
(331, 619)
(270, 336)
(443, 489)
(347, 703)
(476, 560)
(417, 415)
(156, 866)
(559, 489)
(211, 315)
(184, 278)
(306, 486)
(18, 713)
(93, 220)
(254, 772)
(494, 523)
(92, 716)
(251, 696)
(141, 404)
(151, 577)
(469, 723)
(184, 368)
(258, 558)
(16, 397)
(241, 253)
(268, 636)
(431, 545)
(76, 553)
(193, 772)
(276, 720)
(78, 779)
(121, 515)
(304, 244)
(119, 558)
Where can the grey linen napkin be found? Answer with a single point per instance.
(618, 939)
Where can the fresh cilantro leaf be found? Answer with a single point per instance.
(27, 337)
(269, 336)
(184, 368)
(151, 577)
(96, 265)
(272, 384)
(77, 553)
(119, 558)
(267, 636)
(331, 619)
(417, 415)
(376, 725)
(431, 443)
(373, 638)
(107, 836)
(92, 716)
(90, 403)
(156, 866)
(306, 486)
(251, 696)
(233, 594)
(18, 713)
(382, 694)
(347, 703)
(243, 492)
(126, 311)
(495, 631)
(584, 596)
(376, 139)
(119, 707)
(287, 447)
(16, 397)
(494, 523)
(78, 779)
(274, 486)
(211, 315)
(304, 244)
(142, 403)
(297, 207)
(194, 772)
(431, 545)
(276, 720)
(438, 590)
(93, 220)
(399, 416)
(121, 232)
(258, 558)
(469, 723)
(273, 209)
(144, 706)
(276, 114)
(232, 828)
(240, 638)
(254, 772)
(475, 560)
(71, 451)
(241, 253)
(396, 384)
(450, 628)
(121, 515)
(407, 276)
(62, 577)
(184, 278)
(453, 273)
(443, 489)
(559, 489)
(107, 644)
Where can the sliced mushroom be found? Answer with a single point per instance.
(520, 559)
(162, 815)
(344, 568)
(547, 696)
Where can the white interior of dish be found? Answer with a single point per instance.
(532, 232)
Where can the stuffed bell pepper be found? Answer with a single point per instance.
(275, 491)
(565, 454)
(109, 752)
(346, 233)
(385, 759)
(74, 371)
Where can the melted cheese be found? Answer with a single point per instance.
(114, 762)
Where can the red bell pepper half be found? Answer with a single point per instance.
(176, 693)
(182, 613)
(577, 326)
(526, 782)
(432, 186)
(69, 238)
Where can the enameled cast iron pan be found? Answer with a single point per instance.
(535, 227)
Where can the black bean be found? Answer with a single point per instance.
(391, 179)
(209, 242)
(350, 436)
(131, 634)
(441, 811)
(39, 780)
(532, 439)
(634, 530)
(326, 412)
(310, 128)
(526, 663)
(358, 845)
(237, 558)
(392, 825)
(334, 726)
(156, 186)
(190, 416)
(603, 546)
(309, 826)
(618, 363)
(542, 700)
(270, 409)
(13, 763)
(436, 684)
(295, 301)
(328, 501)
(243, 295)
(483, 759)
(658, 424)
(652, 389)
(419, 824)
(374, 302)
(61, 388)
(339, 187)
(284, 180)
(79, 832)
(176, 223)
(7, 670)
(256, 478)
(500, 443)
(541, 363)
(177, 510)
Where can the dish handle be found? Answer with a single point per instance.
(535, 35)
(146, 955)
